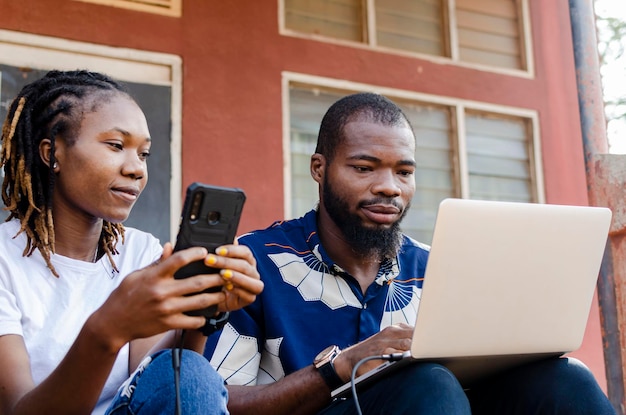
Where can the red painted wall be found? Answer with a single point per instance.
(233, 56)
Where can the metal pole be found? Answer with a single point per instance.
(597, 163)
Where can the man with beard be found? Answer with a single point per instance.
(342, 283)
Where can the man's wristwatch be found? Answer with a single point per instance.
(215, 323)
(324, 364)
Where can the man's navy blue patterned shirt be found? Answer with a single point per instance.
(309, 303)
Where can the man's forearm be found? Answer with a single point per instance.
(303, 392)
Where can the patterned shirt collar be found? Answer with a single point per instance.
(389, 268)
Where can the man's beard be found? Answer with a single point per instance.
(378, 243)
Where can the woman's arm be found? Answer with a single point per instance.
(147, 302)
(72, 388)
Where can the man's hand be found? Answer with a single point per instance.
(392, 339)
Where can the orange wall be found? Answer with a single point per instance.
(233, 56)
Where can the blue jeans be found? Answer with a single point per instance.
(562, 386)
(150, 390)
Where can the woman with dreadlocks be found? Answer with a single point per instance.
(84, 301)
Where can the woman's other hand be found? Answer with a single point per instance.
(241, 280)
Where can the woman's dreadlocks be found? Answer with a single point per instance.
(50, 107)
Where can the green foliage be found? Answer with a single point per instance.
(611, 47)
(611, 35)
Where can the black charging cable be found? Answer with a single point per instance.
(177, 356)
(390, 357)
(212, 325)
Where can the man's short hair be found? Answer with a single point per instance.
(365, 106)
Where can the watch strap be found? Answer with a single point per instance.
(215, 323)
(330, 376)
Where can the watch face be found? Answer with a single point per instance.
(325, 353)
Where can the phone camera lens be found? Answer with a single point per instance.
(213, 217)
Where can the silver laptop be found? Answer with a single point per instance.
(506, 283)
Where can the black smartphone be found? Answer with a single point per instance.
(209, 218)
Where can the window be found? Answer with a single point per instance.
(339, 19)
(460, 152)
(166, 7)
(415, 26)
(154, 79)
(498, 157)
(483, 32)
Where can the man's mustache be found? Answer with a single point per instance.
(382, 201)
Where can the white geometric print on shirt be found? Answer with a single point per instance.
(401, 304)
(239, 358)
(271, 369)
(314, 280)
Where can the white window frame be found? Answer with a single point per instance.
(166, 7)
(525, 32)
(43, 52)
(458, 107)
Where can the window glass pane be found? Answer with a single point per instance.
(307, 108)
(303, 187)
(489, 32)
(340, 19)
(412, 25)
(498, 157)
(434, 175)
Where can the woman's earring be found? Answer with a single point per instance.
(54, 166)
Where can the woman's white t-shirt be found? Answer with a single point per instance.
(49, 312)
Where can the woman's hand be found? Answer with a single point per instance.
(150, 301)
(241, 280)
